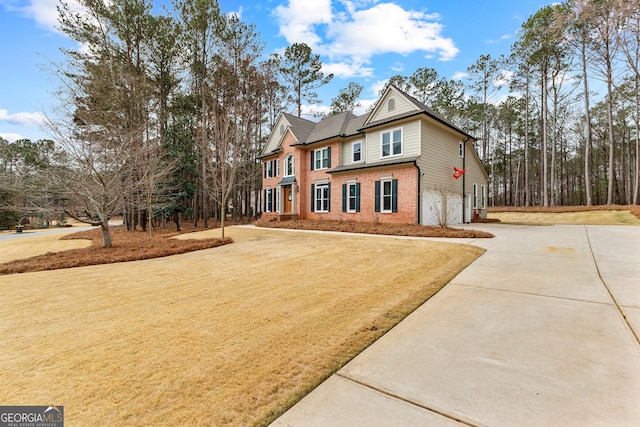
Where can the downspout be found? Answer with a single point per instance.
(418, 192)
(464, 180)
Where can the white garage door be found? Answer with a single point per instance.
(433, 212)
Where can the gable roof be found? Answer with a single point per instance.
(421, 108)
(348, 124)
(301, 128)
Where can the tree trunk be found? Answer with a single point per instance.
(545, 166)
(527, 195)
(106, 235)
(587, 112)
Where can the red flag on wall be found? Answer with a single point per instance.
(457, 173)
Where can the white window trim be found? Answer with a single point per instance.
(269, 195)
(461, 149)
(286, 165)
(390, 132)
(353, 152)
(277, 200)
(475, 196)
(382, 182)
(349, 185)
(318, 187)
(315, 159)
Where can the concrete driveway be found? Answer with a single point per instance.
(542, 330)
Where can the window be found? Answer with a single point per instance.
(268, 200)
(461, 149)
(483, 197)
(392, 143)
(391, 105)
(357, 152)
(271, 168)
(289, 166)
(321, 159)
(320, 197)
(386, 195)
(475, 196)
(351, 197)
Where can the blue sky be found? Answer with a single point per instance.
(366, 41)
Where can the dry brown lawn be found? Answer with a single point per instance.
(586, 217)
(227, 336)
(127, 246)
(33, 244)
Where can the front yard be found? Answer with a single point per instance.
(231, 335)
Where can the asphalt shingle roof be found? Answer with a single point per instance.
(347, 124)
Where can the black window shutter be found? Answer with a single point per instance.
(329, 156)
(275, 168)
(357, 197)
(344, 197)
(313, 197)
(377, 199)
(264, 209)
(329, 197)
(312, 155)
(264, 164)
(394, 195)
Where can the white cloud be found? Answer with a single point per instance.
(347, 69)
(377, 87)
(503, 79)
(298, 20)
(502, 38)
(365, 104)
(387, 28)
(459, 75)
(11, 137)
(363, 29)
(238, 13)
(398, 67)
(22, 119)
(43, 12)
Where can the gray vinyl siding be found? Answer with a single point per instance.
(441, 155)
(275, 136)
(411, 146)
(346, 151)
(401, 105)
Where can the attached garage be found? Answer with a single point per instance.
(433, 211)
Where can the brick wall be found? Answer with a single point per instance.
(407, 176)
(407, 197)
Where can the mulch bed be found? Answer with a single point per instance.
(127, 246)
(374, 228)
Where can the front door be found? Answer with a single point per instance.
(288, 199)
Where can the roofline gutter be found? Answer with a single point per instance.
(272, 153)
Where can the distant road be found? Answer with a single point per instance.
(8, 235)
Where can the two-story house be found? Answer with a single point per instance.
(394, 164)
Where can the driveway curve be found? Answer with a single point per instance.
(542, 330)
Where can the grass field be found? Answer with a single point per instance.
(232, 335)
(26, 246)
(596, 217)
